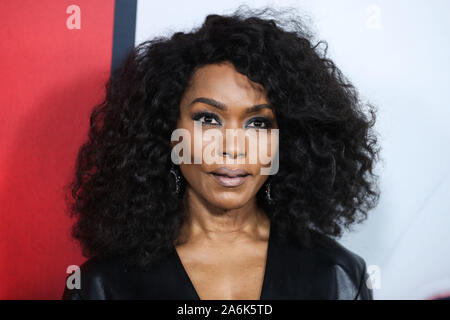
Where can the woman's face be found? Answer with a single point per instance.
(220, 98)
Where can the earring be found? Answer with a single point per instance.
(269, 198)
(177, 180)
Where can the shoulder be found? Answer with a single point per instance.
(325, 269)
(348, 269)
(336, 254)
(95, 279)
(114, 278)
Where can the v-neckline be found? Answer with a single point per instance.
(266, 268)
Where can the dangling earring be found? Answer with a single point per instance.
(177, 180)
(269, 198)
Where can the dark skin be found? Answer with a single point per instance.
(223, 243)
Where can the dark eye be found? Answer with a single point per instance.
(206, 118)
(260, 123)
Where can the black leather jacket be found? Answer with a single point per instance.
(324, 271)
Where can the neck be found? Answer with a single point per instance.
(210, 225)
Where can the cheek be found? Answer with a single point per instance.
(263, 147)
(205, 144)
(189, 147)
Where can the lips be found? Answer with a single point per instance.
(231, 173)
(230, 178)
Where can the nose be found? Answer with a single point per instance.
(234, 143)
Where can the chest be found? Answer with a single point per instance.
(225, 274)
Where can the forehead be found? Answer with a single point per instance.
(223, 83)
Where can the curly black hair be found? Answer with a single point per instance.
(123, 193)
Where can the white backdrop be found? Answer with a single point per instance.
(397, 55)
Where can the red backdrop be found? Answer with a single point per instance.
(50, 79)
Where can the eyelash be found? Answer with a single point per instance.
(268, 122)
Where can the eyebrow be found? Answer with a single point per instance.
(221, 106)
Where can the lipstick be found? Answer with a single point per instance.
(230, 178)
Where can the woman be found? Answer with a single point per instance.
(160, 224)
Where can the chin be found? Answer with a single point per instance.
(229, 201)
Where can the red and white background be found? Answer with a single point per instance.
(56, 56)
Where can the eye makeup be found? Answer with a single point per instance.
(264, 122)
(197, 116)
(211, 119)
